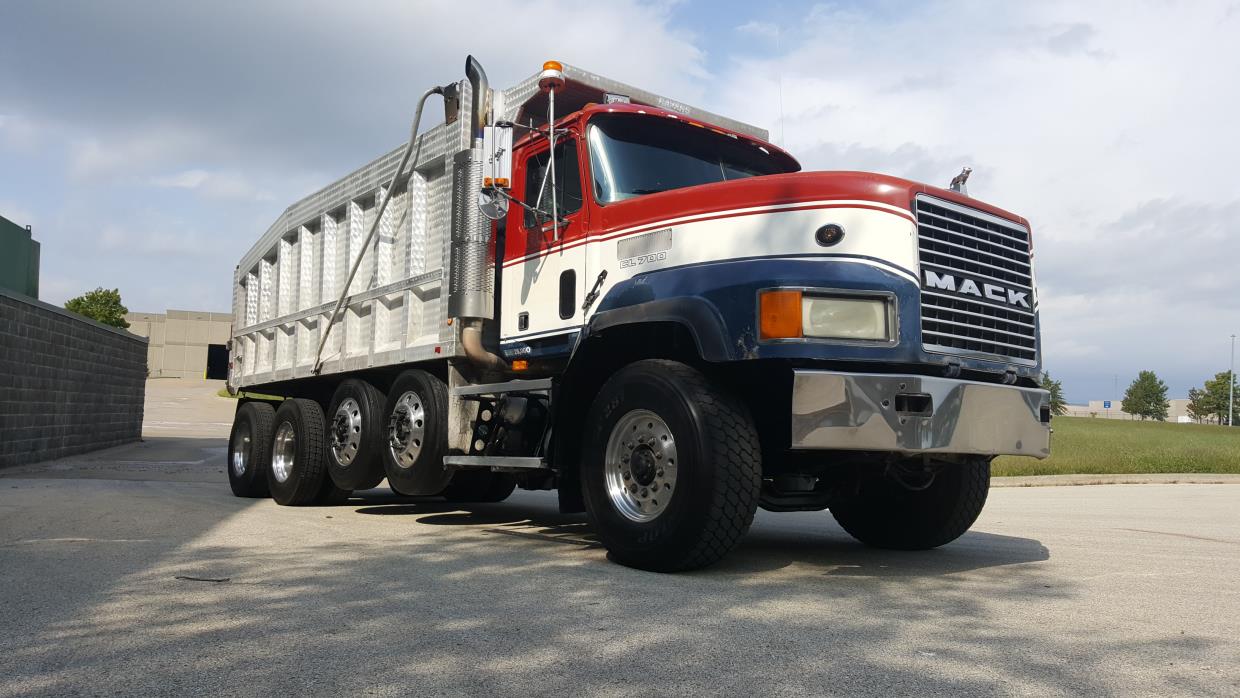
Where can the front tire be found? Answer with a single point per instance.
(671, 467)
(249, 449)
(885, 514)
(298, 473)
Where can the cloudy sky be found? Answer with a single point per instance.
(149, 143)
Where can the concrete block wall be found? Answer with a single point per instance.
(67, 384)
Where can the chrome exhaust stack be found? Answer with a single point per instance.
(471, 283)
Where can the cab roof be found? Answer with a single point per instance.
(590, 110)
(525, 102)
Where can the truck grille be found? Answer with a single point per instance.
(976, 283)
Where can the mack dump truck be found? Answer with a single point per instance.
(575, 284)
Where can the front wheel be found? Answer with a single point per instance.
(886, 513)
(671, 467)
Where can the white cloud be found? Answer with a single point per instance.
(17, 213)
(216, 185)
(19, 133)
(1118, 151)
(127, 153)
(762, 30)
(143, 240)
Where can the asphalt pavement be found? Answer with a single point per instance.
(135, 571)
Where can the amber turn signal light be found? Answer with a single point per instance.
(779, 314)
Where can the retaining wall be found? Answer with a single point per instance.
(67, 384)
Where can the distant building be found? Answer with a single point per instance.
(1177, 410)
(184, 343)
(19, 259)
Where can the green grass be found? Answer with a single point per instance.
(1089, 445)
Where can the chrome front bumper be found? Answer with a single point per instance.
(917, 414)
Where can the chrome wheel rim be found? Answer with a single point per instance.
(346, 431)
(240, 447)
(406, 429)
(640, 466)
(283, 452)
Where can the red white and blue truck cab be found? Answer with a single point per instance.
(653, 310)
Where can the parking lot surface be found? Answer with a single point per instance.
(135, 571)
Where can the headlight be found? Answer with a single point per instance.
(793, 314)
(845, 318)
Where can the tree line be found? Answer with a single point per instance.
(1146, 397)
(1210, 403)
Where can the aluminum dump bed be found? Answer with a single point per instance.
(287, 285)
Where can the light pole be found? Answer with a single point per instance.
(1231, 380)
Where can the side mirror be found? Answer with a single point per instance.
(493, 204)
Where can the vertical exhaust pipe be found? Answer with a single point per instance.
(471, 284)
(479, 90)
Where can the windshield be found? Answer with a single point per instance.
(636, 154)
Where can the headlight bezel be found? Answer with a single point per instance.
(808, 293)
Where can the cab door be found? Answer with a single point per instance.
(544, 274)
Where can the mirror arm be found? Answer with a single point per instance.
(540, 214)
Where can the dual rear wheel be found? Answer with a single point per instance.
(279, 453)
(299, 455)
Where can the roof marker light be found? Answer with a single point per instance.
(552, 76)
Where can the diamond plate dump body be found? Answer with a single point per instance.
(431, 240)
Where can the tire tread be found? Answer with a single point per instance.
(872, 523)
(730, 449)
(261, 416)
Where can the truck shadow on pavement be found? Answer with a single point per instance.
(814, 541)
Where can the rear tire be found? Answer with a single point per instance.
(416, 434)
(355, 436)
(671, 467)
(479, 486)
(883, 514)
(298, 473)
(249, 449)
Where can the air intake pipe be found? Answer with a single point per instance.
(471, 283)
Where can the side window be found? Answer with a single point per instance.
(568, 184)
